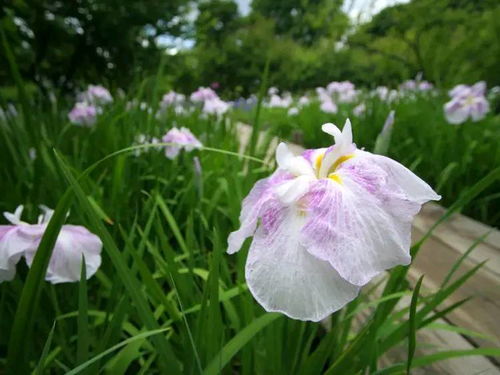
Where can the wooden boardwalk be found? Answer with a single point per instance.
(449, 241)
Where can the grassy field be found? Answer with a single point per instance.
(167, 299)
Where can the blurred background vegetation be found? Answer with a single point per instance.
(62, 45)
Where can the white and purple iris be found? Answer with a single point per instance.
(324, 224)
(21, 239)
(203, 94)
(180, 139)
(83, 114)
(467, 102)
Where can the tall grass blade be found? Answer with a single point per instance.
(234, 345)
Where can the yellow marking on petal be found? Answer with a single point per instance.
(319, 160)
(335, 177)
(340, 161)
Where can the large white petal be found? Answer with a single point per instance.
(65, 263)
(284, 277)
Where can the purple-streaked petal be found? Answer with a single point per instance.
(362, 226)
(252, 205)
(455, 113)
(284, 277)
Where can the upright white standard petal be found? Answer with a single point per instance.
(65, 264)
(284, 277)
(287, 161)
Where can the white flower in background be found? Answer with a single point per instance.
(172, 99)
(83, 114)
(385, 94)
(359, 110)
(272, 91)
(32, 153)
(293, 111)
(180, 139)
(22, 239)
(304, 100)
(467, 102)
(276, 101)
(215, 106)
(324, 224)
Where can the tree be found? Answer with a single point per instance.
(60, 43)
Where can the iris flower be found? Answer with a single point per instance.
(83, 114)
(22, 239)
(324, 224)
(467, 102)
(181, 139)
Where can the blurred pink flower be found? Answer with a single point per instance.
(203, 94)
(181, 139)
(328, 106)
(467, 102)
(83, 114)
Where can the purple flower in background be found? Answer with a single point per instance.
(83, 114)
(22, 239)
(203, 94)
(96, 95)
(181, 139)
(324, 224)
(215, 85)
(467, 102)
(328, 106)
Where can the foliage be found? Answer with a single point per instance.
(60, 43)
(167, 299)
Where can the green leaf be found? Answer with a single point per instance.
(130, 340)
(239, 341)
(40, 369)
(82, 351)
(412, 343)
